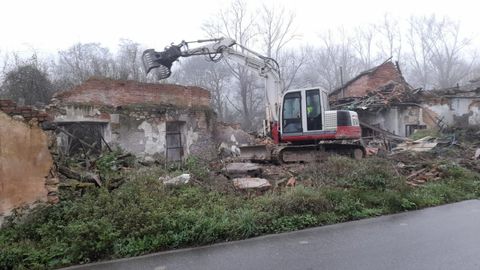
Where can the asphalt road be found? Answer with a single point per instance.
(445, 237)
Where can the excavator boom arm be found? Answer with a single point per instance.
(218, 48)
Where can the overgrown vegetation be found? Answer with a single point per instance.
(142, 216)
(421, 133)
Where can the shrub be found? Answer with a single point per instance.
(297, 200)
(369, 173)
(142, 216)
(421, 133)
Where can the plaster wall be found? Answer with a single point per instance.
(25, 164)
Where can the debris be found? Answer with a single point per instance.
(81, 176)
(176, 181)
(292, 182)
(226, 150)
(371, 151)
(421, 145)
(147, 161)
(251, 183)
(234, 170)
(385, 133)
(416, 173)
(477, 153)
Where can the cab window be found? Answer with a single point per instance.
(314, 110)
(292, 117)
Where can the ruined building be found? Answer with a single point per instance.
(158, 120)
(457, 106)
(384, 102)
(387, 104)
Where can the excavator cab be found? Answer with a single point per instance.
(305, 118)
(302, 111)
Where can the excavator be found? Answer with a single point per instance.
(299, 121)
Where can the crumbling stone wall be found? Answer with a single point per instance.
(26, 165)
(11, 108)
(395, 119)
(461, 111)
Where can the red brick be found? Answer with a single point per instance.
(7, 103)
(7, 109)
(360, 86)
(120, 93)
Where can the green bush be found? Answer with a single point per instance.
(369, 173)
(197, 167)
(297, 200)
(421, 133)
(142, 216)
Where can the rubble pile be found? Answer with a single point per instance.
(81, 171)
(391, 93)
(428, 159)
(418, 168)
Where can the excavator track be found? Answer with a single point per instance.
(289, 153)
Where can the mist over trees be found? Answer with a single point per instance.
(433, 52)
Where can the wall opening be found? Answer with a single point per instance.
(81, 137)
(174, 148)
(410, 129)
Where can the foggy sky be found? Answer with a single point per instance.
(53, 25)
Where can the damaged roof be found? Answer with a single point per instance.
(377, 87)
(377, 80)
(114, 93)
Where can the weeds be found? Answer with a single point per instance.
(141, 216)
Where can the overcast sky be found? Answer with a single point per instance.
(52, 25)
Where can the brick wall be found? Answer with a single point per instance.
(114, 93)
(11, 108)
(372, 80)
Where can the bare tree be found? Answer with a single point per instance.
(390, 38)
(363, 45)
(128, 64)
(82, 61)
(437, 52)
(292, 63)
(238, 22)
(448, 59)
(276, 29)
(212, 76)
(332, 63)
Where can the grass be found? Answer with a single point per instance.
(420, 133)
(142, 216)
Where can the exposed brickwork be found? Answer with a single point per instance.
(11, 108)
(114, 93)
(370, 80)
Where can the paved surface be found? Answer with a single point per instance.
(445, 237)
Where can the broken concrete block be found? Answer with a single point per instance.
(251, 183)
(424, 144)
(477, 153)
(238, 169)
(176, 181)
